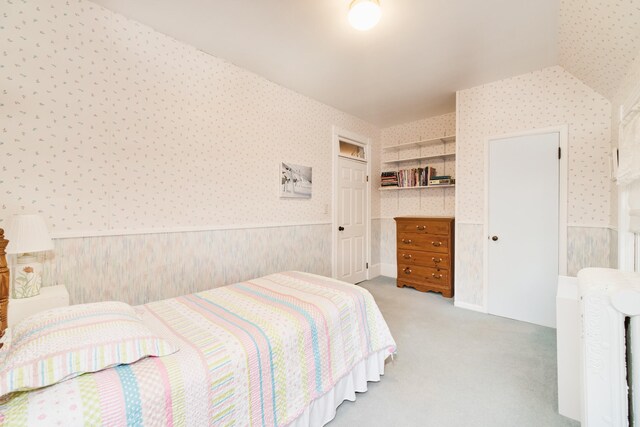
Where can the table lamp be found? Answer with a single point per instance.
(27, 235)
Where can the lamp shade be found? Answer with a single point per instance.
(27, 233)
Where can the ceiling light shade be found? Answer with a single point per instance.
(364, 14)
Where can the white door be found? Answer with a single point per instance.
(523, 191)
(352, 220)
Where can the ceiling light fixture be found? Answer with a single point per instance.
(364, 14)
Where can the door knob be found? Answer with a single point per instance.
(341, 228)
(494, 238)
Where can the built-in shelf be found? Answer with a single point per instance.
(419, 144)
(415, 188)
(413, 159)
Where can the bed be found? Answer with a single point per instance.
(284, 349)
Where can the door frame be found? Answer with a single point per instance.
(563, 131)
(354, 138)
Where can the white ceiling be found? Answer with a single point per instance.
(406, 68)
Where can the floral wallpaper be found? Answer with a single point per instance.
(600, 44)
(625, 97)
(110, 125)
(599, 41)
(436, 202)
(545, 98)
(109, 128)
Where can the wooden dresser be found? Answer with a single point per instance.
(425, 253)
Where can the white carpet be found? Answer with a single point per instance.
(457, 368)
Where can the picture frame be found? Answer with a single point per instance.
(295, 181)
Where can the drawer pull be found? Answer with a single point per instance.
(436, 260)
(407, 270)
(421, 227)
(406, 256)
(407, 241)
(436, 276)
(436, 244)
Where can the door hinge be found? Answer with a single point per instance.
(559, 152)
(367, 265)
(367, 178)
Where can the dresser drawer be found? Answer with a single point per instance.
(424, 227)
(425, 253)
(426, 259)
(423, 242)
(415, 273)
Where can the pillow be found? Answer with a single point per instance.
(62, 343)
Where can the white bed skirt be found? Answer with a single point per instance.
(323, 409)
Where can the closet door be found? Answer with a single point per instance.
(523, 224)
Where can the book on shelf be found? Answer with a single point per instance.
(443, 181)
(389, 179)
(415, 177)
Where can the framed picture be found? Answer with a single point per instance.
(295, 181)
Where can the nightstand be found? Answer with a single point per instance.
(50, 297)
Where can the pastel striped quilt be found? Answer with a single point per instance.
(254, 353)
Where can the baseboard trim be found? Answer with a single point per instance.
(374, 271)
(467, 306)
(389, 270)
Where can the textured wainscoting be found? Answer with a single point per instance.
(586, 247)
(613, 247)
(469, 264)
(388, 242)
(141, 268)
(375, 241)
(589, 247)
